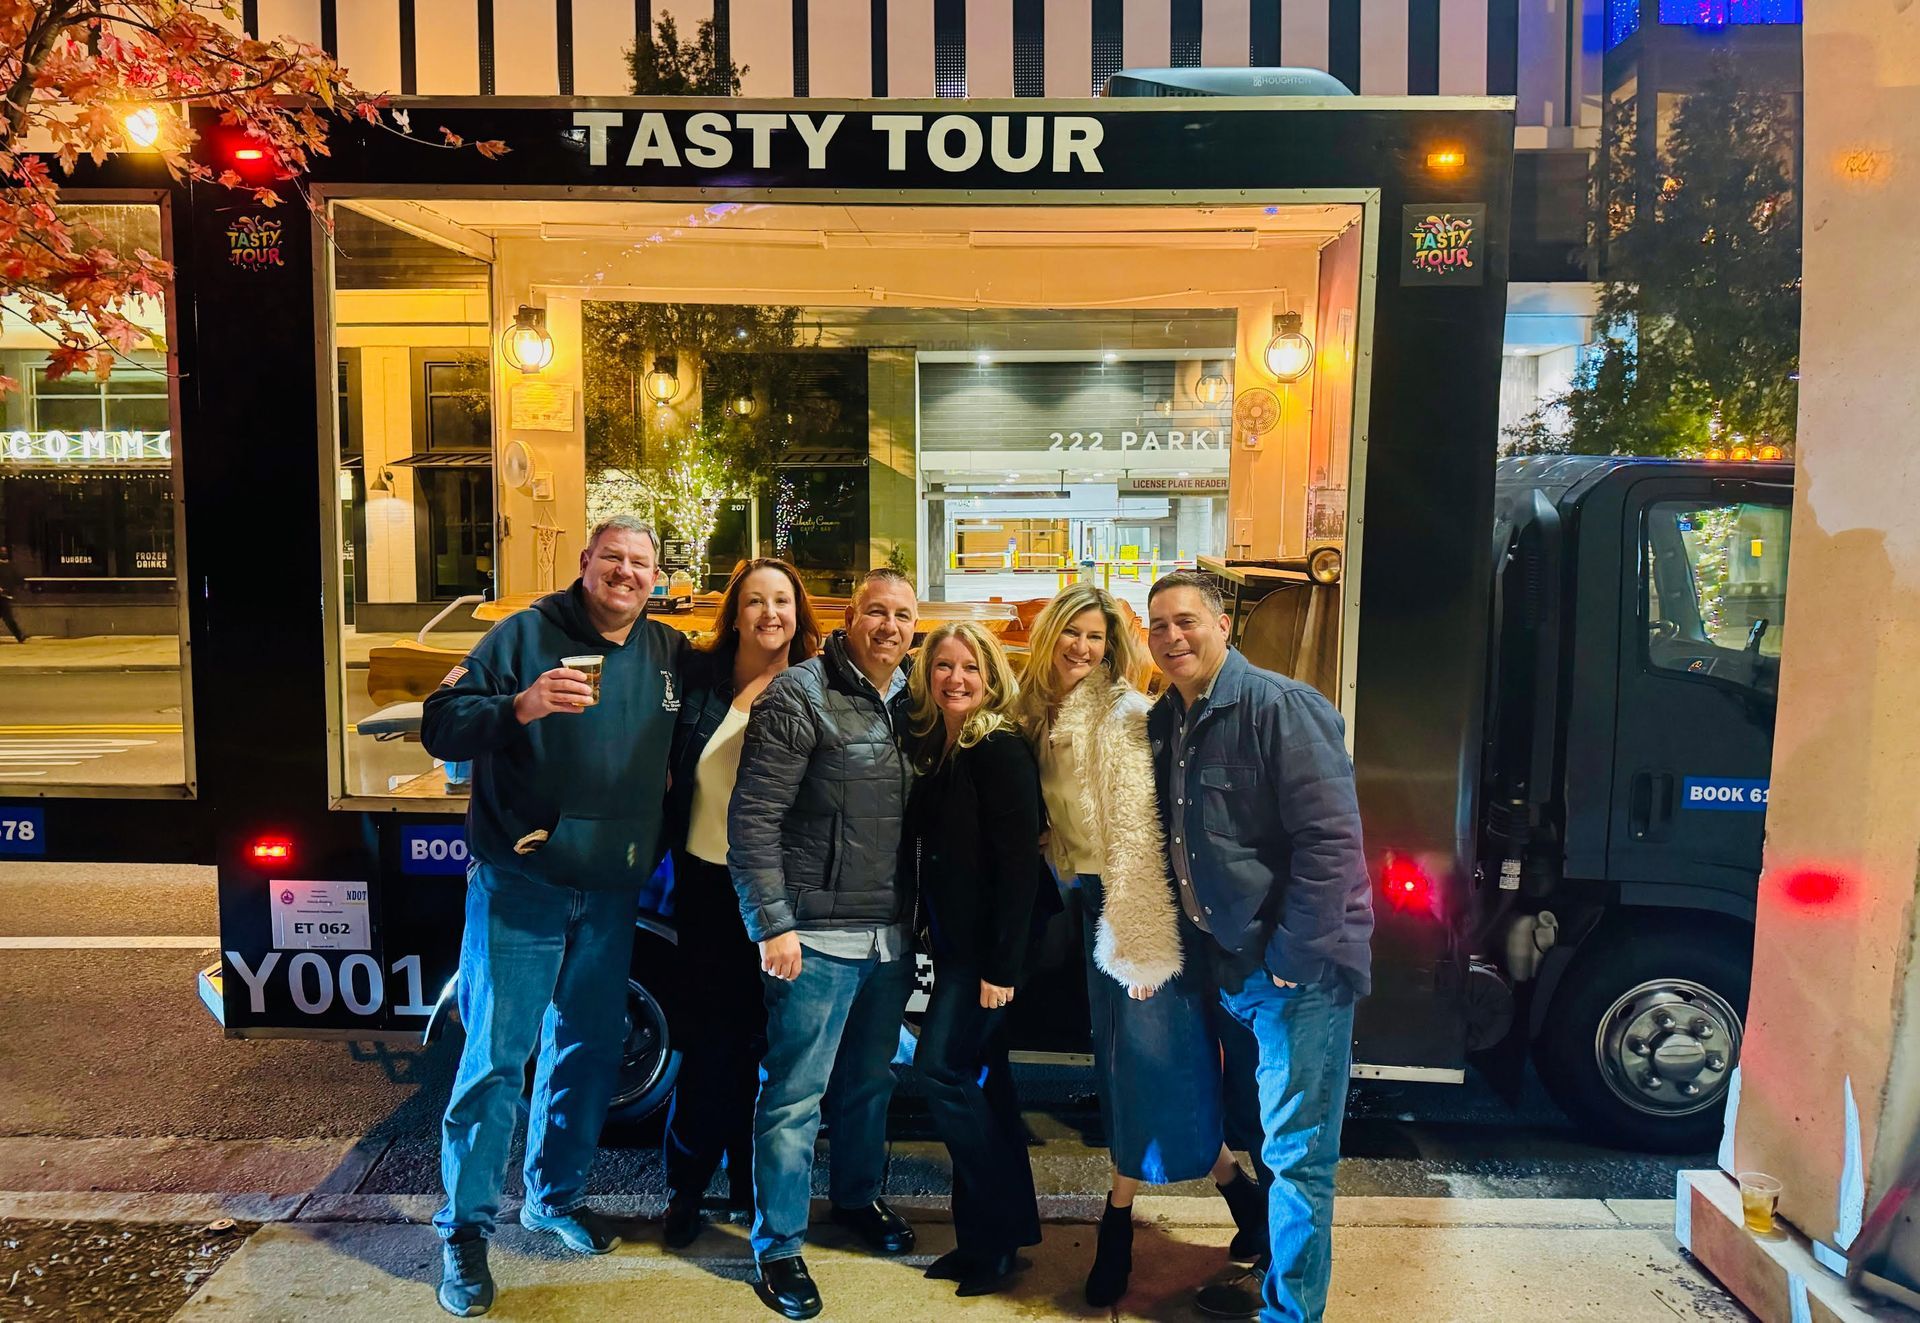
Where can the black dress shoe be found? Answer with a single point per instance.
(784, 1286)
(990, 1276)
(1234, 1293)
(883, 1229)
(683, 1221)
(949, 1267)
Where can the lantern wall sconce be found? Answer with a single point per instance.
(1212, 388)
(663, 383)
(1290, 353)
(526, 344)
(742, 405)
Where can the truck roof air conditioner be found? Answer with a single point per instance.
(1225, 82)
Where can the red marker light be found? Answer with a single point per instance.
(250, 154)
(271, 849)
(1406, 884)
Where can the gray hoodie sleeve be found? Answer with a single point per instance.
(777, 750)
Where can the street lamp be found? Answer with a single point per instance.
(1290, 353)
(663, 383)
(526, 344)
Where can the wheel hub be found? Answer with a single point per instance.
(1667, 1047)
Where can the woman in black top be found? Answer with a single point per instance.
(973, 829)
(764, 624)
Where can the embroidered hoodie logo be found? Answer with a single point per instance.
(669, 701)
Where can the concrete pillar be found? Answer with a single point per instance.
(1829, 1088)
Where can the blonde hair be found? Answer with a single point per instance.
(1001, 692)
(1040, 691)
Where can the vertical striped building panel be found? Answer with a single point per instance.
(370, 43)
(447, 47)
(1225, 40)
(1149, 31)
(763, 46)
(1383, 47)
(1070, 48)
(299, 19)
(841, 53)
(602, 35)
(1541, 90)
(1304, 25)
(990, 48)
(1463, 47)
(910, 47)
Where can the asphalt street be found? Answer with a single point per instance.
(107, 1039)
(92, 727)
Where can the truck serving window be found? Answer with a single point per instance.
(1716, 590)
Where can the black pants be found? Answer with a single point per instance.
(962, 1061)
(721, 1029)
(11, 621)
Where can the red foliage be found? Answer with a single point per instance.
(73, 74)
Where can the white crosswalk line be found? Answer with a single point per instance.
(20, 752)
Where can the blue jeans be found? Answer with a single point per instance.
(541, 966)
(831, 1035)
(1306, 1051)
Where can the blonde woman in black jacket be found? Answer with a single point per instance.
(973, 831)
(1156, 1042)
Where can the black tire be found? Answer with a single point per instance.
(1693, 971)
(652, 1062)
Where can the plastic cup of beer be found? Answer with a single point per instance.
(590, 667)
(1759, 1193)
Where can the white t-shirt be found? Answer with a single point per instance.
(713, 782)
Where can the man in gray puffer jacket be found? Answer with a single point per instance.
(813, 834)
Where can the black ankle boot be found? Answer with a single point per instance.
(1112, 1257)
(1247, 1201)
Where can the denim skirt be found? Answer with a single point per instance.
(1158, 1061)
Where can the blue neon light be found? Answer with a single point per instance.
(1725, 13)
(1623, 20)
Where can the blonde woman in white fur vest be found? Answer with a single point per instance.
(1156, 1043)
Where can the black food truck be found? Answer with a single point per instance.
(397, 411)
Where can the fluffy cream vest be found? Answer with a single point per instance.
(1138, 938)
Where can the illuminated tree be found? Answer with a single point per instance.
(89, 79)
(1699, 319)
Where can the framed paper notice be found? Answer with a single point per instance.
(541, 406)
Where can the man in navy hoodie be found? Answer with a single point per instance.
(563, 827)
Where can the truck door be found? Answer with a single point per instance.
(1702, 616)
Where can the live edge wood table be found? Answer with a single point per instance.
(1245, 585)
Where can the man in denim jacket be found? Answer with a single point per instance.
(1263, 838)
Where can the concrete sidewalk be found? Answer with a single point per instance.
(1394, 1259)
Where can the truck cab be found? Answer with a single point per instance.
(1637, 616)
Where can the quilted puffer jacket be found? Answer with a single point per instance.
(813, 830)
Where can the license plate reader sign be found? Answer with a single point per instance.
(23, 831)
(320, 916)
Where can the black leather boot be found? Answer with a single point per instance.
(1112, 1257)
(785, 1287)
(1247, 1201)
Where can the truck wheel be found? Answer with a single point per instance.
(650, 1063)
(1643, 1035)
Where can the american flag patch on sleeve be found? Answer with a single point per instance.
(453, 677)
